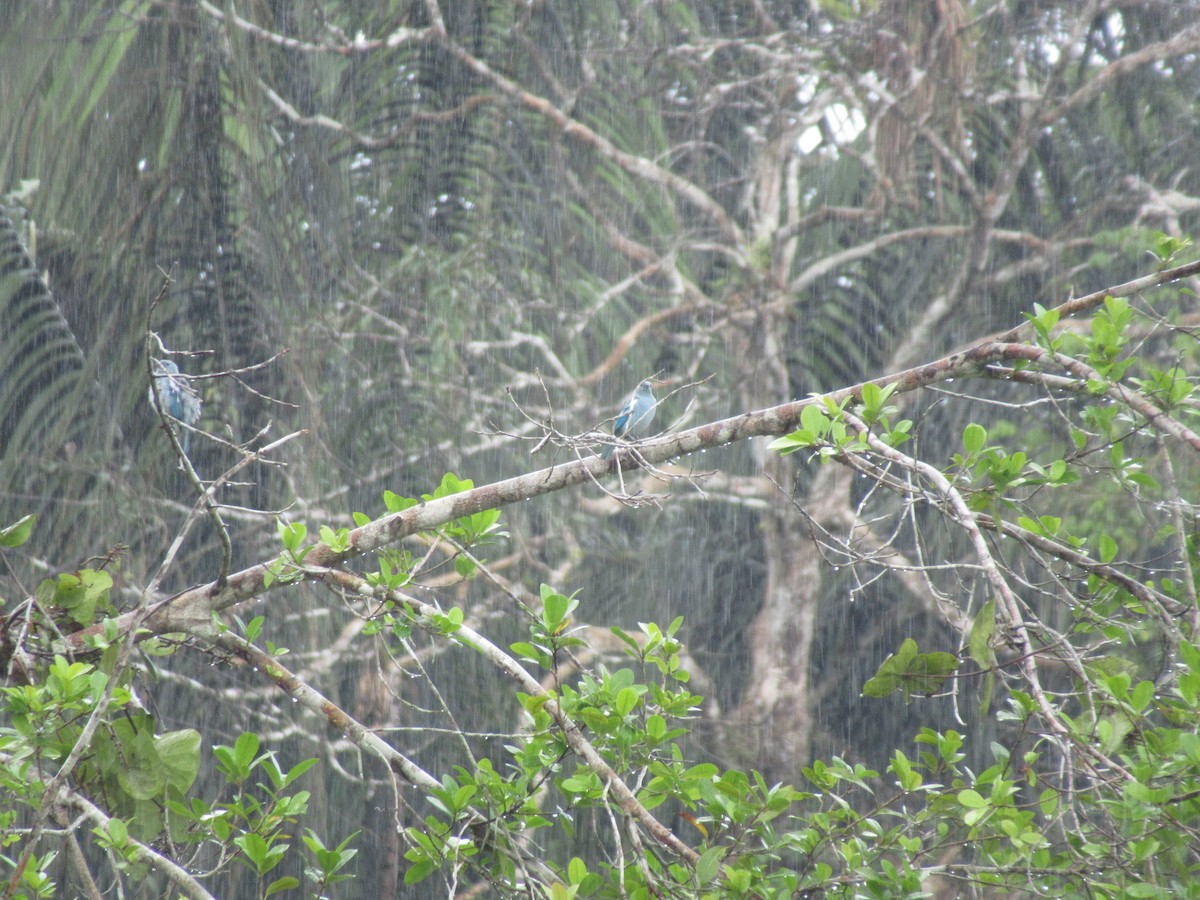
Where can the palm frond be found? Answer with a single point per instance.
(41, 364)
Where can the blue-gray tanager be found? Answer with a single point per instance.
(635, 418)
(176, 397)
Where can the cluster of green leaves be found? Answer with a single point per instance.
(547, 632)
(944, 822)
(257, 819)
(43, 716)
(823, 426)
(1107, 350)
(753, 839)
(396, 566)
(135, 768)
(1136, 835)
(991, 472)
(855, 832)
(629, 722)
(474, 530)
(250, 631)
(289, 566)
(911, 672)
(1019, 826)
(142, 775)
(1004, 828)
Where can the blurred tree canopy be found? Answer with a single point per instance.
(412, 256)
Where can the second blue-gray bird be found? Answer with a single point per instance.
(176, 397)
(635, 418)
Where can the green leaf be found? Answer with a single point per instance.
(452, 484)
(1048, 802)
(627, 699)
(980, 641)
(1141, 695)
(1108, 548)
(986, 690)
(291, 535)
(1144, 849)
(526, 650)
(656, 727)
(117, 832)
(18, 532)
(297, 770)
(78, 592)
(338, 541)
(972, 799)
(911, 672)
(887, 678)
(1050, 524)
(708, 866)
(1043, 321)
(554, 608)
(906, 777)
(577, 870)
(254, 847)
(974, 437)
(813, 420)
(141, 774)
(286, 883)
(394, 503)
(1142, 890)
(179, 752)
(245, 748)
(790, 443)
(634, 648)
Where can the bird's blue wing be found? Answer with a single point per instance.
(622, 424)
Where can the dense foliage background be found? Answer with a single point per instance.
(474, 227)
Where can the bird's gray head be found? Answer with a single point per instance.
(165, 367)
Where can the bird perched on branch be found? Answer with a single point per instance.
(635, 418)
(176, 397)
